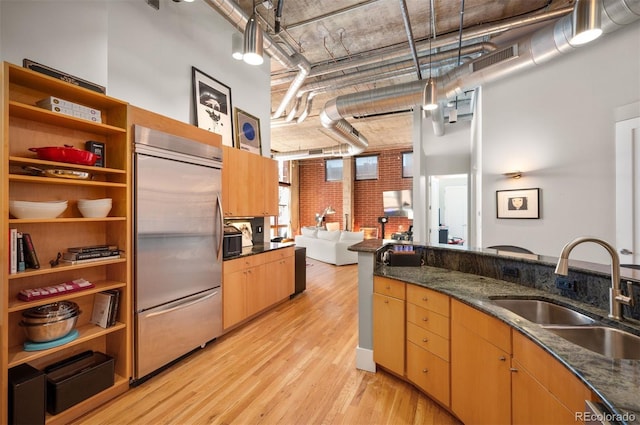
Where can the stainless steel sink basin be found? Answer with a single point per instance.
(544, 312)
(610, 342)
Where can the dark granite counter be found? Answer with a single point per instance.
(260, 249)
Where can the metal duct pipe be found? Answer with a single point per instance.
(337, 151)
(381, 73)
(437, 120)
(232, 12)
(545, 44)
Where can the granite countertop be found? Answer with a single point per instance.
(260, 249)
(616, 381)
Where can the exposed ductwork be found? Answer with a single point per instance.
(232, 12)
(542, 46)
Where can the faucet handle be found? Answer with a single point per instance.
(630, 292)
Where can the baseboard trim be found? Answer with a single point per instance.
(364, 359)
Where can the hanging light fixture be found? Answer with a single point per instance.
(429, 95)
(586, 21)
(237, 47)
(253, 40)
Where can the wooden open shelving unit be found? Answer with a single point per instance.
(24, 125)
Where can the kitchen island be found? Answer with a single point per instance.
(474, 277)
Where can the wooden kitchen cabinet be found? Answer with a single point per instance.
(428, 342)
(480, 366)
(25, 125)
(250, 184)
(254, 283)
(389, 324)
(543, 390)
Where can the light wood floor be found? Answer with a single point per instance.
(292, 365)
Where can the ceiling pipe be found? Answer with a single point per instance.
(236, 16)
(382, 73)
(394, 53)
(540, 47)
(410, 39)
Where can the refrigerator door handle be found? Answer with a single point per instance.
(220, 229)
(182, 304)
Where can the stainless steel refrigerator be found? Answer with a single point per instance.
(178, 230)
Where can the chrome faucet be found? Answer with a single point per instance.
(616, 299)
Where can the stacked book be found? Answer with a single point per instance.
(105, 308)
(65, 107)
(22, 254)
(87, 254)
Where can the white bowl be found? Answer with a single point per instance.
(30, 209)
(95, 202)
(94, 211)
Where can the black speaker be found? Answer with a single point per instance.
(27, 395)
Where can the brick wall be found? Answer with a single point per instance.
(316, 193)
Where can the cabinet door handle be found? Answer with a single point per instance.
(425, 319)
(425, 340)
(513, 369)
(386, 301)
(502, 359)
(388, 287)
(425, 370)
(425, 299)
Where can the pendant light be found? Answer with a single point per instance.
(429, 95)
(253, 40)
(237, 47)
(586, 21)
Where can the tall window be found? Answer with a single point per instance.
(407, 164)
(333, 170)
(281, 225)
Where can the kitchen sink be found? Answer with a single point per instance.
(610, 342)
(543, 312)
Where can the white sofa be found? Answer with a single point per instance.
(330, 246)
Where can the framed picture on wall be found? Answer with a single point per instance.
(212, 105)
(518, 203)
(247, 132)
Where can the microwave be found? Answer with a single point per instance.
(231, 242)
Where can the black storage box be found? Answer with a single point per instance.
(26, 395)
(77, 378)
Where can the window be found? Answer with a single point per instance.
(333, 170)
(407, 164)
(281, 225)
(367, 167)
(284, 171)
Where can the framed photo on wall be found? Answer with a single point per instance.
(247, 132)
(518, 203)
(212, 105)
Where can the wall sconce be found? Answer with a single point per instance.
(513, 175)
(586, 21)
(237, 47)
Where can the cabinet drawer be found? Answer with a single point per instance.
(429, 299)
(429, 372)
(428, 340)
(428, 320)
(231, 266)
(390, 287)
(277, 254)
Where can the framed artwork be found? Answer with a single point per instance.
(247, 132)
(212, 105)
(518, 203)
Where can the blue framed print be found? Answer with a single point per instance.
(247, 132)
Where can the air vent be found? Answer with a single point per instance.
(315, 152)
(494, 58)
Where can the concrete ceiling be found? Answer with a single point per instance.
(334, 35)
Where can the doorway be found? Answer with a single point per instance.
(448, 205)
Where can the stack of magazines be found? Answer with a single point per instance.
(86, 254)
(105, 308)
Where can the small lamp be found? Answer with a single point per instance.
(253, 40)
(320, 216)
(237, 48)
(586, 21)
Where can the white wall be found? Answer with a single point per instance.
(556, 124)
(142, 55)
